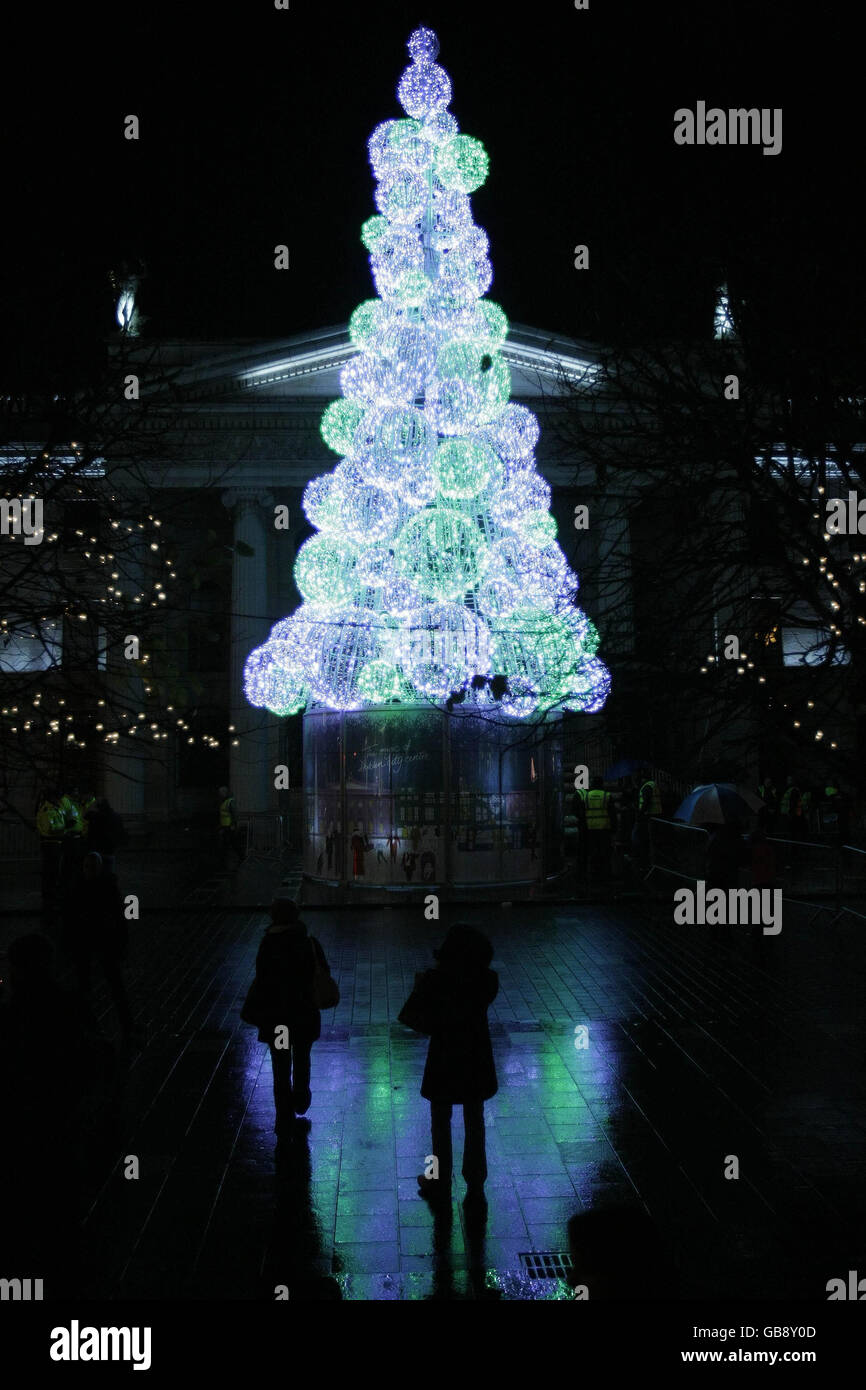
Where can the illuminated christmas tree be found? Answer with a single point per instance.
(435, 566)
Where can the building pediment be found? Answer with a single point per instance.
(308, 366)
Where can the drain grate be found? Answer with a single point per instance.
(546, 1264)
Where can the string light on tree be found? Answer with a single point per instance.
(435, 559)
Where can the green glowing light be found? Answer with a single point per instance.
(339, 423)
(462, 163)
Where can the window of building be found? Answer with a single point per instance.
(30, 645)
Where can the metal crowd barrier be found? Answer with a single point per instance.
(262, 833)
(802, 866)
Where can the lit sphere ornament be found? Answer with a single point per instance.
(383, 149)
(536, 651)
(321, 504)
(375, 567)
(405, 437)
(496, 598)
(339, 423)
(473, 386)
(463, 280)
(365, 323)
(369, 514)
(399, 598)
(273, 680)
(347, 644)
(401, 197)
(367, 380)
(441, 554)
(524, 492)
(462, 164)
(323, 571)
(538, 528)
(442, 647)
(410, 289)
(590, 686)
(373, 230)
(423, 45)
(380, 681)
(439, 127)
(424, 89)
(410, 148)
(514, 432)
(493, 329)
(463, 467)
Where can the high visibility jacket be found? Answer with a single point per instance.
(791, 803)
(50, 821)
(767, 794)
(830, 792)
(598, 810)
(227, 809)
(73, 821)
(650, 799)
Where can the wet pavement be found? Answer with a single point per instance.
(703, 1045)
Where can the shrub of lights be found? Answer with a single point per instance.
(435, 558)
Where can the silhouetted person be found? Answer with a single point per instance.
(95, 928)
(105, 832)
(283, 988)
(228, 826)
(723, 855)
(51, 1056)
(791, 810)
(600, 823)
(51, 825)
(460, 1068)
(763, 860)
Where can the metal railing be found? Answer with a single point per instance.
(263, 834)
(803, 867)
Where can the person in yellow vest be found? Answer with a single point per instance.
(650, 800)
(791, 810)
(50, 824)
(649, 804)
(228, 820)
(833, 812)
(74, 844)
(600, 820)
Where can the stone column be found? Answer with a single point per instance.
(251, 774)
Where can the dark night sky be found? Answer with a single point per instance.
(254, 125)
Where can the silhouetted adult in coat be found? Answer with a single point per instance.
(460, 1068)
(105, 832)
(286, 1013)
(95, 928)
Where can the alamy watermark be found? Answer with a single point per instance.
(731, 907)
(22, 516)
(736, 126)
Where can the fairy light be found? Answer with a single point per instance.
(435, 556)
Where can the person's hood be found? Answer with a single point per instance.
(281, 928)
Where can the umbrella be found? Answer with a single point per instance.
(625, 767)
(717, 803)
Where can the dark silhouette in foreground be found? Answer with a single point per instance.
(450, 1003)
(95, 929)
(281, 1004)
(55, 1068)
